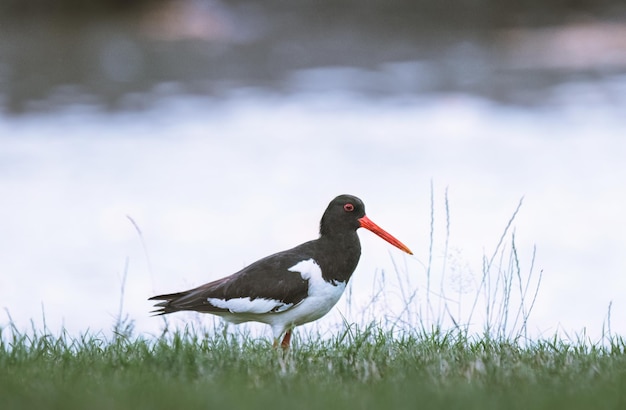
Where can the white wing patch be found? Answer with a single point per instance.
(308, 269)
(247, 305)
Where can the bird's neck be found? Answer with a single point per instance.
(339, 255)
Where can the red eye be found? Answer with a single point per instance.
(348, 207)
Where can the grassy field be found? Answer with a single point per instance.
(359, 368)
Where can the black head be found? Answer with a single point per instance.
(342, 215)
(345, 214)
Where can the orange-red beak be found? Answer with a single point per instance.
(371, 226)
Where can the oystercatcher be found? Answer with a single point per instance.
(288, 288)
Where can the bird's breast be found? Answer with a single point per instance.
(322, 294)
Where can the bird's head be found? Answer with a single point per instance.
(347, 213)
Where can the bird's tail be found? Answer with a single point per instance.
(192, 299)
(166, 306)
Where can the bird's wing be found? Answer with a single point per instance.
(265, 286)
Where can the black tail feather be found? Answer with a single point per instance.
(165, 307)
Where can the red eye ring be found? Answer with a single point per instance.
(348, 207)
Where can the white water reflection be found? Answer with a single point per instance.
(216, 184)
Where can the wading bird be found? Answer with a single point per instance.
(288, 288)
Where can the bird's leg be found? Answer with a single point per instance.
(284, 344)
(283, 355)
(286, 340)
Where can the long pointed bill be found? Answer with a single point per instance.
(371, 226)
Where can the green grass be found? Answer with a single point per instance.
(359, 368)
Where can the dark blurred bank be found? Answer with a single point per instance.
(116, 54)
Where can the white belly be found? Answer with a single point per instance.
(311, 308)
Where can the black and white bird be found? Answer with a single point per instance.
(288, 288)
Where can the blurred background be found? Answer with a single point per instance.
(159, 145)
